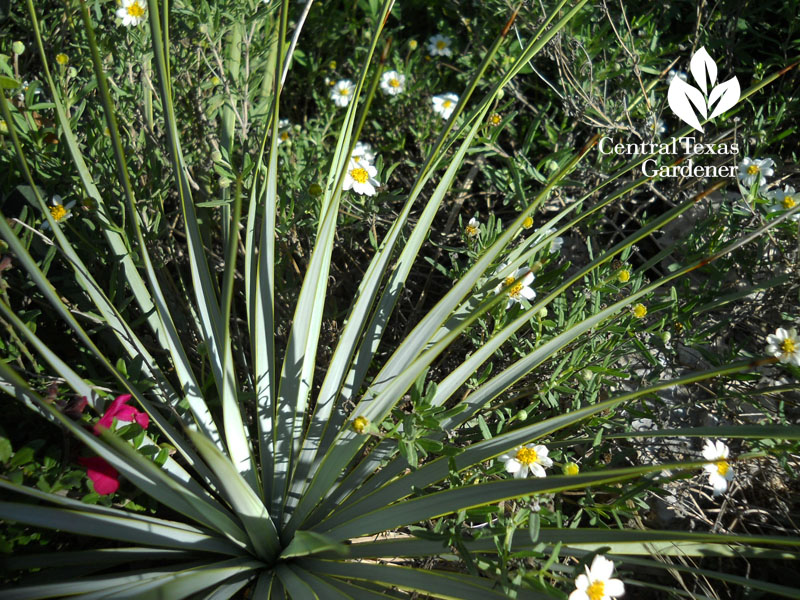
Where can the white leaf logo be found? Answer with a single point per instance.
(684, 98)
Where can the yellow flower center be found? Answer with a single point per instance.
(472, 230)
(447, 104)
(62, 59)
(527, 223)
(440, 45)
(136, 10)
(58, 212)
(360, 175)
(624, 276)
(752, 170)
(723, 467)
(284, 135)
(395, 83)
(495, 119)
(788, 202)
(639, 311)
(527, 456)
(596, 591)
(344, 91)
(788, 346)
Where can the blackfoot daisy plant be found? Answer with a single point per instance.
(270, 459)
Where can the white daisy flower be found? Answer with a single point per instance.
(444, 104)
(751, 171)
(720, 471)
(439, 45)
(132, 12)
(597, 583)
(342, 91)
(519, 290)
(785, 199)
(363, 152)
(393, 83)
(785, 345)
(655, 126)
(473, 228)
(673, 73)
(360, 178)
(59, 211)
(531, 458)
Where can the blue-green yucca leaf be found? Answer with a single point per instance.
(296, 585)
(112, 233)
(184, 582)
(260, 265)
(305, 543)
(422, 334)
(440, 585)
(160, 485)
(379, 493)
(208, 307)
(164, 329)
(449, 501)
(338, 379)
(84, 390)
(621, 542)
(124, 527)
(100, 559)
(300, 358)
(245, 501)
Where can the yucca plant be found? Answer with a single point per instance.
(273, 480)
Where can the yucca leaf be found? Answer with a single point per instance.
(103, 558)
(244, 500)
(298, 364)
(440, 585)
(180, 583)
(121, 528)
(305, 543)
(439, 468)
(448, 501)
(297, 587)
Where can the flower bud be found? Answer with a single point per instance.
(18, 47)
(360, 424)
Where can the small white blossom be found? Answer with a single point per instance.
(673, 73)
(785, 345)
(785, 199)
(59, 211)
(444, 104)
(360, 178)
(393, 83)
(519, 290)
(342, 91)
(473, 228)
(655, 126)
(284, 131)
(752, 171)
(363, 152)
(527, 458)
(597, 583)
(556, 243)
(439, 45)
(720, 471)
(132, 12)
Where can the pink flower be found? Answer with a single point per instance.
(120, 410)
(104, 477)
